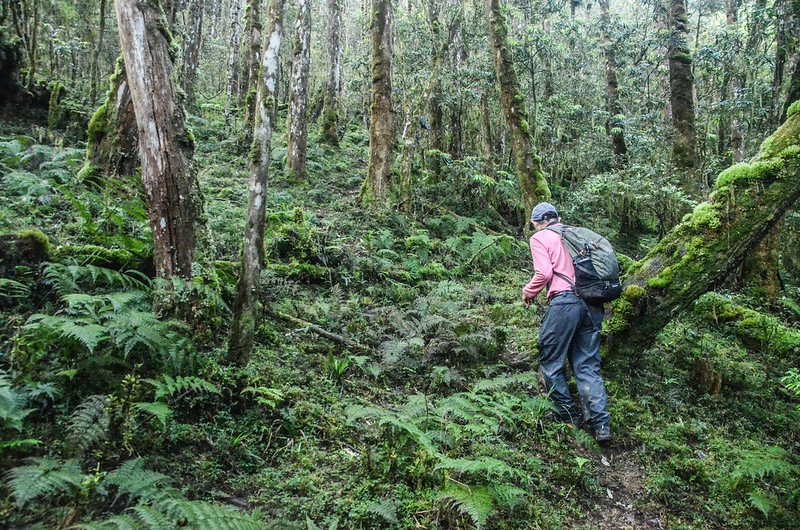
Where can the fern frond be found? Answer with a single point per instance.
(761, 501)
(170, 386)
(157, 409)
(767, 461)
(13, 290)
(477, 503)
(12, 407)
(118, 522)
(481, 467)
(88, 423)
(386, 509)
(508, 495)
(133, 480)
(44, 477)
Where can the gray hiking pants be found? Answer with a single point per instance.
(571, 330)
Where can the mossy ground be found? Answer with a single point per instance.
(435, 297)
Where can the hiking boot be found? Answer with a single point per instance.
(602, 434)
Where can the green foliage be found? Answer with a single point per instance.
(476, 503)
(44, 477)
(88, 424)
(169, 386)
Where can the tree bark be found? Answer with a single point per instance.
(94, 69)
(166, 146)
(298, 102)
(191, 50)
(700, 253)
(532, 181)
(736, 83)
(681, 82)
(240, 343)
(781, 44)
(615, 125)
(793, 93)
(112, 137)
(375, 191)
(234, 80)
(252, 59)
(330, 106)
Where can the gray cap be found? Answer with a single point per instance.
(539, 211)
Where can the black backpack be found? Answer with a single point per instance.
(596, 265)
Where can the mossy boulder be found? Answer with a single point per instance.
(27, 248)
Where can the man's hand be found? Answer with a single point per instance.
(527, 301)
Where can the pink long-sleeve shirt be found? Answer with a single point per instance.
(549, 255)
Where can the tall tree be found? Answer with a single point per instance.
(681, 83)
(333, 85)
(165, 145)
(240, 344)
(375, 191)
(233, 57)
(251, 60)
(94, 69)
(532, 181)
(191, 49)
(615, 123)
(736, 81)
(298, 102)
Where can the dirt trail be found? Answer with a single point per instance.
(623, 506)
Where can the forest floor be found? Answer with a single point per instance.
(440, 424)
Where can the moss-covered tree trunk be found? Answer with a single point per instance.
(191, 50)
(333, 84)
(298, 101)
(681, 85)
(793, 92)
(233, 58)
(112, 137)
(166, 146)
(527, 164)
(699, 254)
(615, 125)
(240, 343)
(375, 191)
(251, 59)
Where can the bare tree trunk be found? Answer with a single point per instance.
(330, 110)
(486, 134)
(781, 43)
(234, 80)
(95, 66)
(700, 253)
(615, 125)
(240, 343)
(298, 103)
(252, 59)
(681, 82)
(528, 165)
(166, 146)
(375, 191)
(191, 50)
(113, 139)
(32, 56)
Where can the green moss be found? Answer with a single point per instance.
(705, 215)
(662, 280)
(113, 258)
(633, 293)
(792, 110)
(303, 272)
(98, 123)
(37, 238)
(745, 172)
(55, 111)
(89, 173)
(523, 124)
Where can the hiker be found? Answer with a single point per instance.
(570, 329)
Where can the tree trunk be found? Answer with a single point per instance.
(699, 254)
(781, 43)
(166, 146)
(298, 102)
(532, 181)
(487, 143)
(681, 83)
(234, 80)
(240, 343)
(615, 125)
(94, 69)
(375, 191)
(112, 136)
(32, 57)
(330, 110)
(191, 50)
(252, 59)
(736, 83)
(793, 93)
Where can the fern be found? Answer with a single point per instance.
(12, 406)
(136, 482)
(44, 477)
(157, 409)
(68, 279)
(476, 503)
(13, 290)
(386, 509)
(171, 386)
(760, 463)
(761, 501)
(88, 423)
(482, 467)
